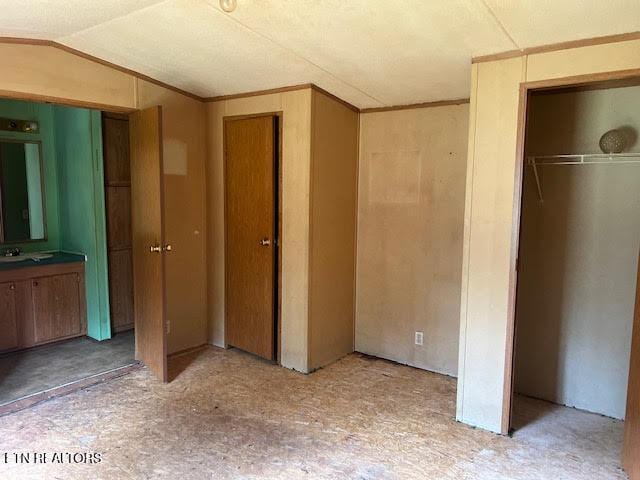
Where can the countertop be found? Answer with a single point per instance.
(58, 257)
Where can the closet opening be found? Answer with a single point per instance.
(574, 378)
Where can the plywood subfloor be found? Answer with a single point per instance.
(229, 415)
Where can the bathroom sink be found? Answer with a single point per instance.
(38, 256)
(25, 256)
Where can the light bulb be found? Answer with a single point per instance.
(228, 5)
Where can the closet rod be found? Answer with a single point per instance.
(583, 159)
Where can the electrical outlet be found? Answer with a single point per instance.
(168, 327)
(419, 338)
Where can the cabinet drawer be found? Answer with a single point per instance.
(57, 307)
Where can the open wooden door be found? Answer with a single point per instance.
(631, 447)
(250, 226)
(147, 232)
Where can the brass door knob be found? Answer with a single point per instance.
(265, 242)
(155, 249)
(167, 247)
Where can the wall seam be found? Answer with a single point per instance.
(312, 137)
(355, 243)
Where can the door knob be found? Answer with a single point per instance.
(167, 247)
(265, 242)
(155, 249)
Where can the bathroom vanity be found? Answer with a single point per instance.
(41, 300)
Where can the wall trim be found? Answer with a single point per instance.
(86, 56)
(553, 47)
(289, 88)
(439, 103)
(334, 97)
(257, 93)
(67, 102)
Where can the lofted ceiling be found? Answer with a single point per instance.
(371, 53)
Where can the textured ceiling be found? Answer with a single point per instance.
(371, 53)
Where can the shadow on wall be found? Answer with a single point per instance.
(630, 135)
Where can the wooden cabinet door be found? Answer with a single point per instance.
(121, 289)
(117, 167)
(8, 317)
(57, 306)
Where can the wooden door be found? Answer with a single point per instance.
(115, 134)
(8, 317)
(631, 447)
(57, 306)
(250, 219)
(147, 232)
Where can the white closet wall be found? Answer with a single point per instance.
(578, 257)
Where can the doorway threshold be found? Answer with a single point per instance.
(61, 390)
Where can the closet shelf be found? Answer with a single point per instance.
(577, 159)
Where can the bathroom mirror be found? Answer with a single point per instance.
(21, 192)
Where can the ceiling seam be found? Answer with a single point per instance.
(293, 52)
(106, 22)
(500, 24)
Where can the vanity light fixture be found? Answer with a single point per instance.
(228, 5)
(11, 125)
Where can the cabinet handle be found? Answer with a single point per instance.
(12, 286)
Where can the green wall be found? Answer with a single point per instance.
(74, 195)
(43, 114)
(81, 206)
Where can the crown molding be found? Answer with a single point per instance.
(440, 103)
(554, 47)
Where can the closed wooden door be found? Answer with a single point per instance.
(250, 219)
(57, 305)
(147, 232)
(631, 447)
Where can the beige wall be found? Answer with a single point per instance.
(49, 73)
(577, 268)
(334, 186)
(296, 155)
(490, 242)
(410, 219)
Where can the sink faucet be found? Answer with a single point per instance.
(12, 252)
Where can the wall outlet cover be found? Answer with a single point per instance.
(419, 338)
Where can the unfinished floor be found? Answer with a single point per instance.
(229, 415)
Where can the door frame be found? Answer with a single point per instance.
(277, 314)
(613, 79)
(68, 102)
